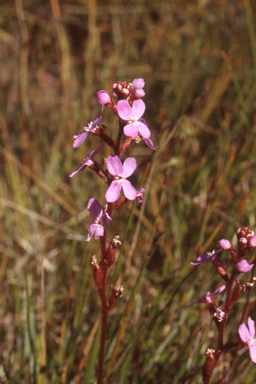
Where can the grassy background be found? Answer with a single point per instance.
(198, 59)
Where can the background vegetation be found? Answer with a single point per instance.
(198, 59)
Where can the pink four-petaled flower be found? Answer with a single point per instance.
(120, 172)
(247, 337)
(100, 219)
(132, 116)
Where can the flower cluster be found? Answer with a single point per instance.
(246, 242)
(129, 110)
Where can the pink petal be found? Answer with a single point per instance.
(138, 84)
(138, 108)
(115, 166)
(105, 219)
(251, 326)
(129, 167)
(99, 231)
(219, 290)
(91, 230)
(244, 333)
(129, 191)
(79, 139)
(124, 110)
(131, 130)
(95, 208)
(113, 192)
(150, 144)
(143, 130)
(252, 350)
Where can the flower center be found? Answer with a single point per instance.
(133, 120)
(118, 178)
(250, 341)
(89, 127)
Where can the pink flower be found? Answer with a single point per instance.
(88, 160)
(247, 337)
(207, 299)
(132, 117)
(103, 97)
(243, 266)
(101, 219)
(92, 127)
(120, 172)
(209, 256)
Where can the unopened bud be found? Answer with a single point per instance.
(242, 242)
(225, 244)
(252, 242)
(103, 97)
(139, 93)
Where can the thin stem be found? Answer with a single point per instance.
(103, 330)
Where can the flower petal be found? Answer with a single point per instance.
(98, 118)
(97, 150)
(113, 192)
(138, 84)
(124, 110)
(80, 138)
(129, 166)
(115, 166)
(150, 144)
(99, 231)
(243, 266)
(91, 230)
(143, 130)
(219, 290)
(138, 108)
(131, 130)
(95, 208)
(129, 191)
(251, 325)
(105, 219)
(252, 350)
(244, 333)
(83, 166)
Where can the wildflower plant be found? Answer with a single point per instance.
(129, 110)
(233, 290)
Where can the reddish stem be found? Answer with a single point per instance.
(102, 293)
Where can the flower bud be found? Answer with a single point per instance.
(103, 97)
(225, 244)
(139, 93)
(252, 242)
(242, 242)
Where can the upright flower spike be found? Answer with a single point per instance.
(92, 126)
(100, 219)
(132, 117)
(208, 297)
(208, 256)
(247, 337)
(88, 160)
(120, 172)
